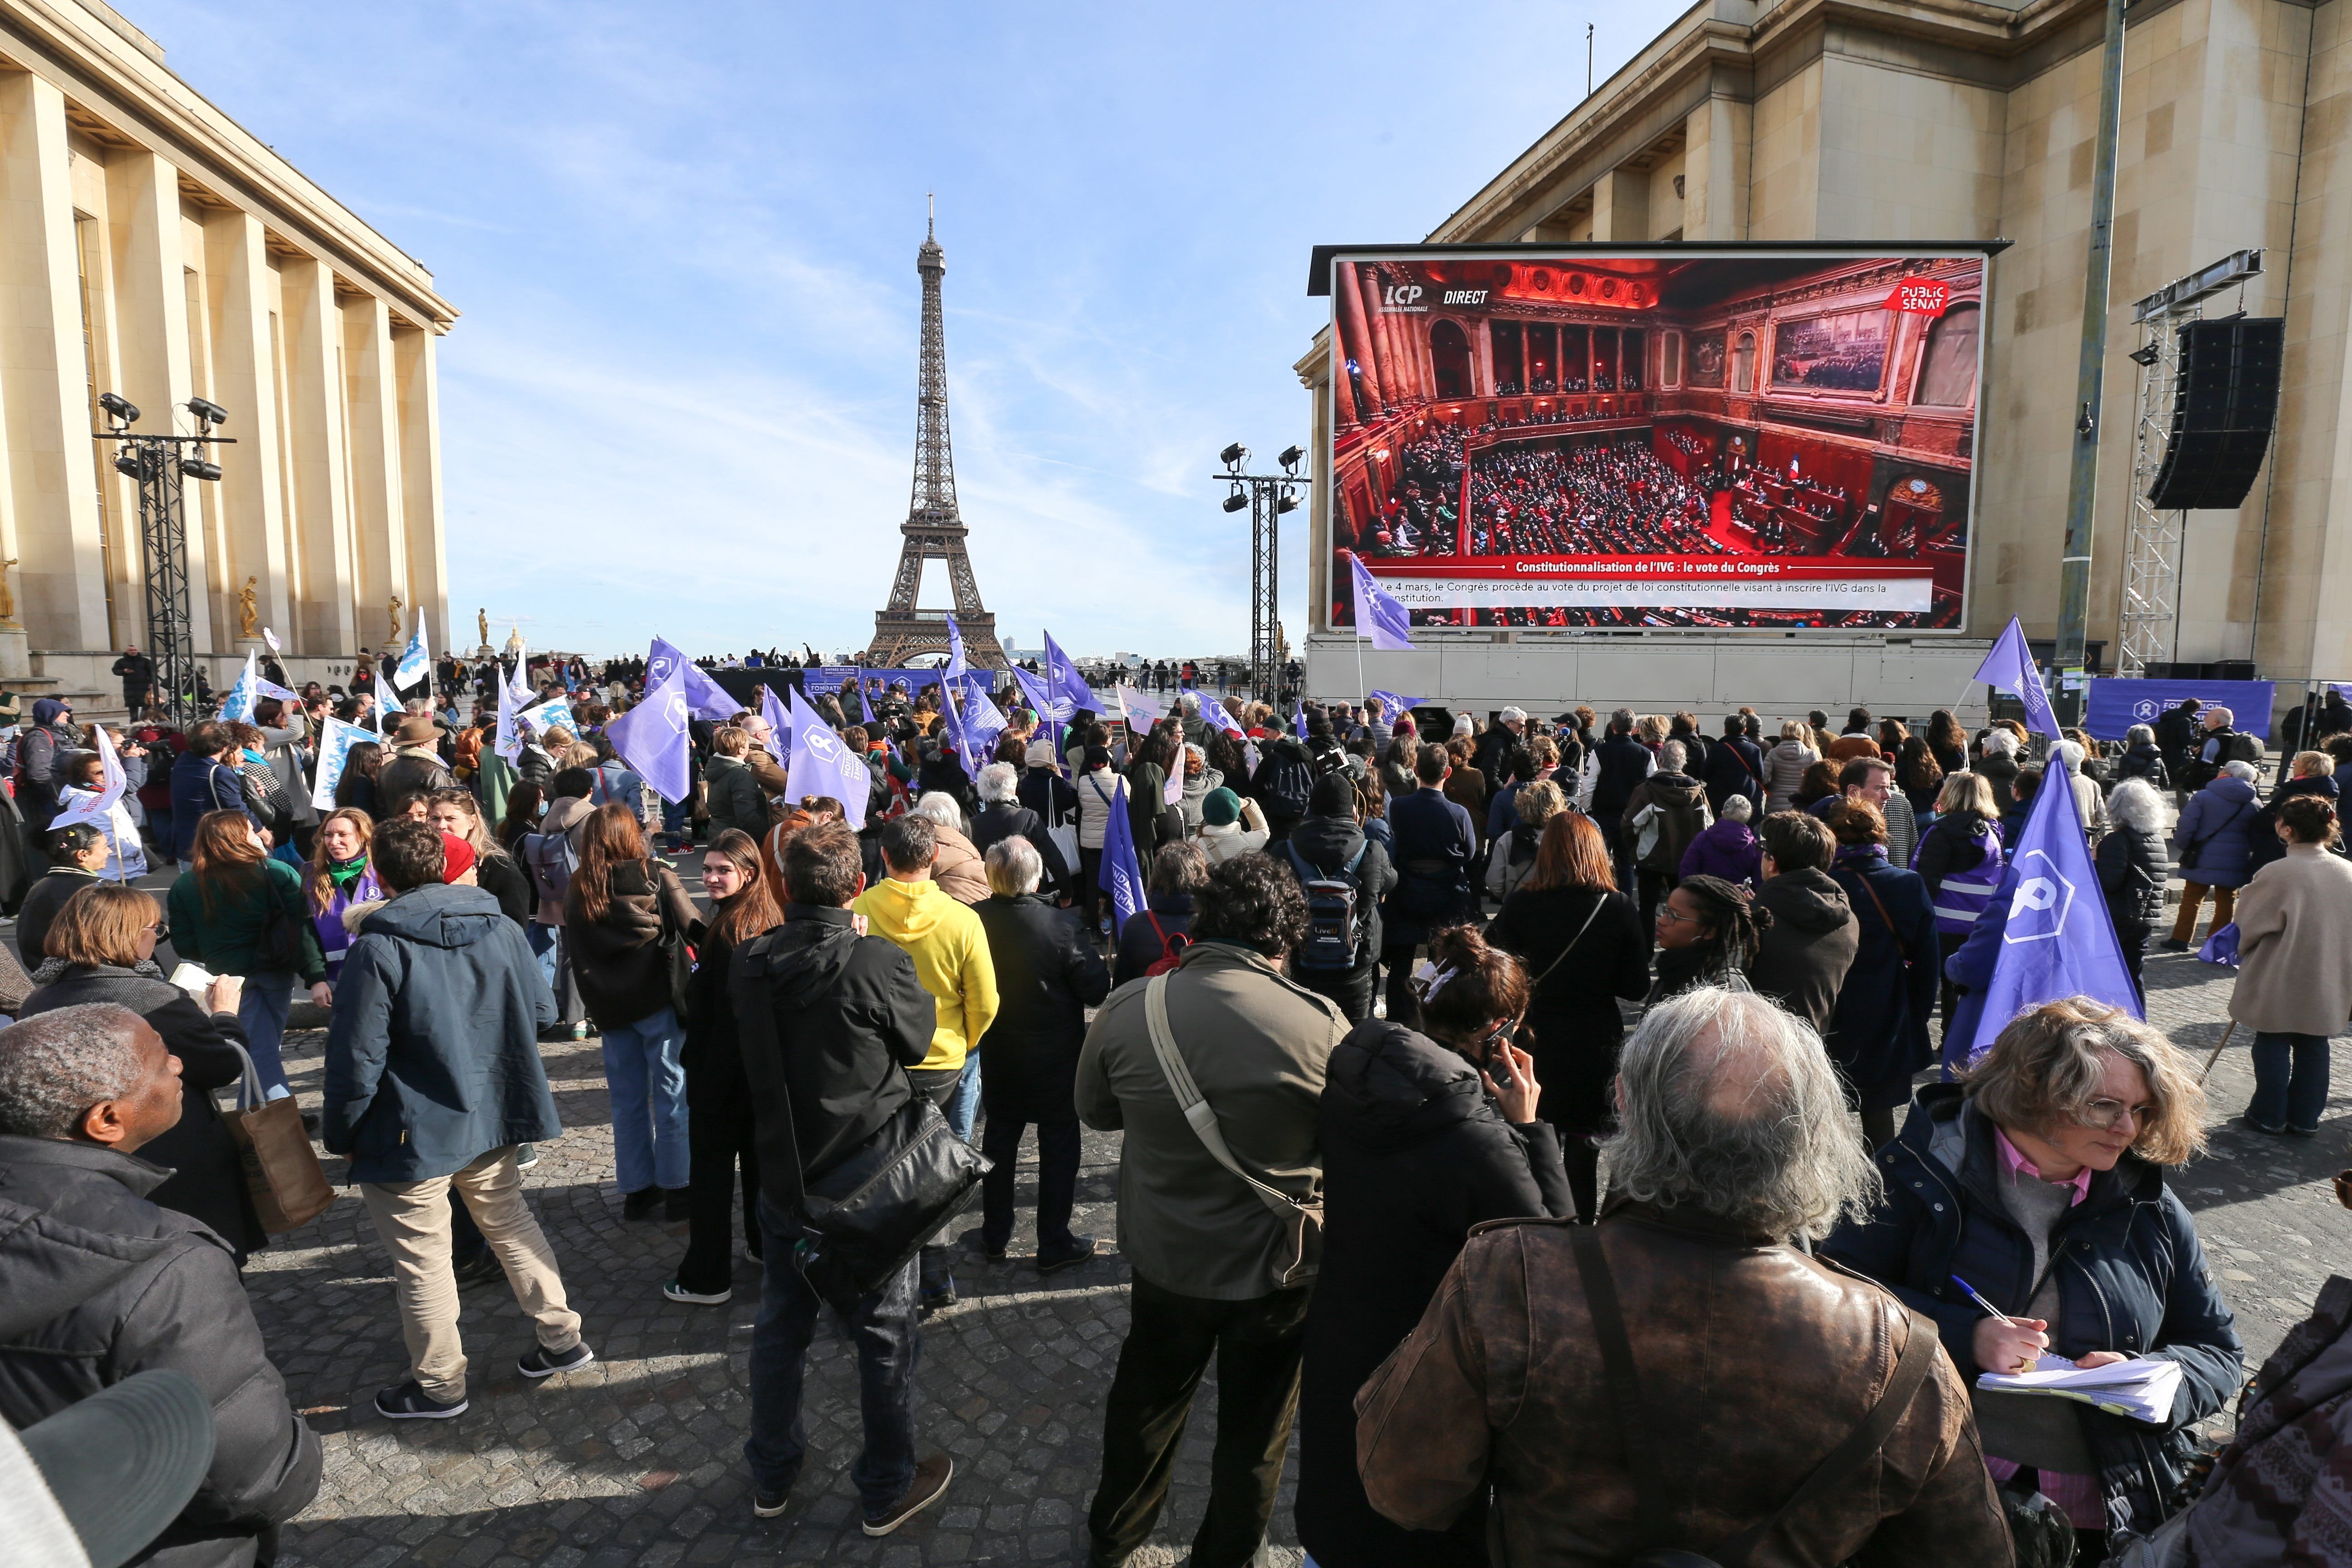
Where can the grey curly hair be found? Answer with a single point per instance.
(1730, 1104)
(55, 1065)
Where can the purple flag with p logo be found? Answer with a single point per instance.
(653, 739)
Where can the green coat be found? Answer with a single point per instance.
(223, 937)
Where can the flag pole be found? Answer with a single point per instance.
(2217, 1053)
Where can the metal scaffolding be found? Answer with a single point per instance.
(2151, 606)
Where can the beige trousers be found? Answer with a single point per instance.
(413, 1219)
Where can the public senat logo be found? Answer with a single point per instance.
(2037, 911)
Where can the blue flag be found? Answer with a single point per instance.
(978, 729)
(1121, 876)
(705, 698)
(1298, 722)
(823, 764)
(2056, 939)
(1053, 706)
(780, 728)
(1378, 614)
(956, 666)
(1393, 707)
(864, 709)
(1063, 677)
(2010, 666)
(237, 706)
(1214, 712)
(415, 663)
(652, 738)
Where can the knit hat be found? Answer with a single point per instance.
(1221, 808)
(457, 857)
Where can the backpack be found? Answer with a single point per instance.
(1289, 785)
(1335, 933)
(2241, 747)
(1172, 947)
(552, 858)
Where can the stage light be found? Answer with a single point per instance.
(1291, 455)
(118, 407)
(197, 469)
(1238, 500)
(128, 461)
(1287, 500)
(1231, 456)
(2145, 355)
(209, 412)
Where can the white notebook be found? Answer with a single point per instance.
(2139, 1388)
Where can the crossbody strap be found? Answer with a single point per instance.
(1653, 1516)
(1892, 928)
(1535, 984)
(1198, 1113)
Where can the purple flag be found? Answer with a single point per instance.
(1298, 722)
(1053, 707)
(1063, 677)
(2010, 666)
(780, 728)
(652, 738)
(949, 676)
(864, 709)
(1393, 707)
(1378, 614)
(705, 698)
(978, 729)
(1121, 876)
(2057, 938)
(823, 764)
(1214, 712)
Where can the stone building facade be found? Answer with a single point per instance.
(1867, 121)
(151, 247)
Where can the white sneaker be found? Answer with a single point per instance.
(677, 1292)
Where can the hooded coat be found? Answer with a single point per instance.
(830, 1021)
(1784, 770)
(103, 1285)
(735, 796)
(620, 961)
(950, 947)
(957, 866)
(1047, 976)
(1802, 960)
(2215, 834)
(2262, 842)
(2131, 1277)
(433, 1047)
(1680, 816)
(1879, 1030)
(1729, 849)
(1414, 1153)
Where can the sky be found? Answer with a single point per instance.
(679, 398)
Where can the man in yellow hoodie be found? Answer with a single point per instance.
(950, 947)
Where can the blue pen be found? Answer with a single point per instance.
(1981, 1302)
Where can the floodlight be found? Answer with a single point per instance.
(1238, 500)
(1291, 455)
(2147, 355)
(1231, 456)
(129, 461)
(197, 469)
(1287, 500)
(211, 413)
(118, 407)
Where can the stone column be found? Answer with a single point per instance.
(1715, 170)
(1358, 340)
(48, 494)
(1367, 284)
(413, 360)
(380, 512)
(312, 329)
(1343, 396)
(245, 381)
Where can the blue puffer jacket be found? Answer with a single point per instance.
(2132, 1278)
(432, 1051)
(2217, 821)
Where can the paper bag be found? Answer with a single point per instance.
(281, 1169)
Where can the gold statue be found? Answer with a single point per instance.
(248, 611)
(393, 611)
(7, 599)
(482, 620)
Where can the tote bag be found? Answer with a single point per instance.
(281, 1169)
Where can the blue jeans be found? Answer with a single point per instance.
(889, 1349)
(677, 820)
(261, 1008)
(963, 1106)
(2290, 1080)
(648, 1091)
(543, 942)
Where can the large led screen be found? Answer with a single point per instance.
(1768, 440)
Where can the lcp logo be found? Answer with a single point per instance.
(2044, 897)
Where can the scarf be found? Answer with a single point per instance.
(343, 873)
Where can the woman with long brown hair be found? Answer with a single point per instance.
(338, 877)
(240, 912)
(456, 813)
(623, 915)
(721, 1134)
(1583, 947)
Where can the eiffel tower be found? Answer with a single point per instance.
(934, 530)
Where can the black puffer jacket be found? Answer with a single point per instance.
(2143, 762)
(208, 1178)
(831, 1019)
(622, 968)
(97, 1283)
(1047, 976)
(1950, 845)
(1414, 1153)
(2133, 867)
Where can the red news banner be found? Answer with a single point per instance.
(1663, 582)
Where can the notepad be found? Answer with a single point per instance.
(2140, 1388)
(192, 978)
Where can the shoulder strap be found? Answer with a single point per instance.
(1554, 963)
(1892, 928)
(1198, 1113)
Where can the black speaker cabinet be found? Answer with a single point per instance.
(2224, 402)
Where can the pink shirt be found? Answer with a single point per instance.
(2077, 1495)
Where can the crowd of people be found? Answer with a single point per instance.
(1614, 498)
(1389, 1157)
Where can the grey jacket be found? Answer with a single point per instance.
(97, 1283)
(1257, 1046)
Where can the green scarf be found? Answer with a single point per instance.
(343, 873)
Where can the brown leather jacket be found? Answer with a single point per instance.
(1755, 1360)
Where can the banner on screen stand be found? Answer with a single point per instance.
(2116, 704)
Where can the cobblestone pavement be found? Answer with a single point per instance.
(636, 1459)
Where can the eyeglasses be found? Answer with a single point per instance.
(2103, 1114)
(163, 932)
(1668, 912)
